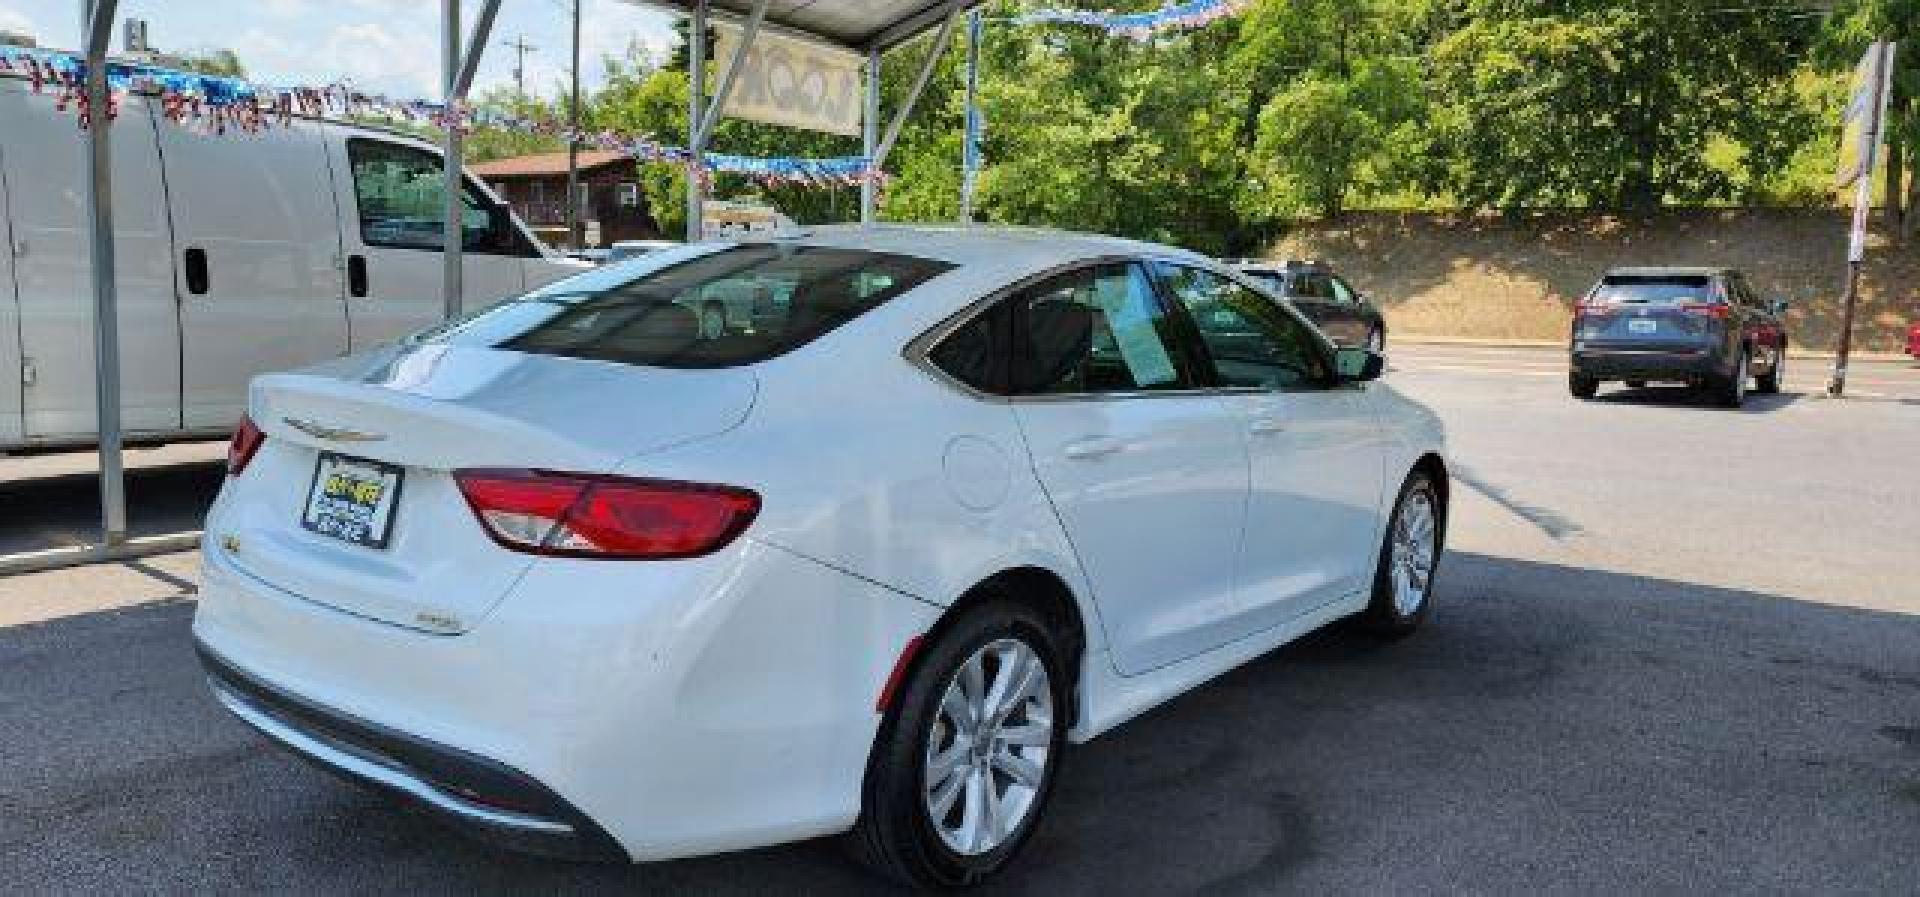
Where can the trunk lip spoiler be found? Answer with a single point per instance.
(331, 433)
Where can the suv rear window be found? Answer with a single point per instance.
(737, 306)
(1272, 280)
(1660, 290)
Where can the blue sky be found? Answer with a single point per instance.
(385, 45)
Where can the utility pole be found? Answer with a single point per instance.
(574, 237)
(520, 47)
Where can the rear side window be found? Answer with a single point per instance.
(740, 305)
(1656, 290)
(1095, 330)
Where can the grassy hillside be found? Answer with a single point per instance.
(1517, 276)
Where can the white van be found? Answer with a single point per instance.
(235, 255)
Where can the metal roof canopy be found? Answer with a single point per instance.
(862, 26)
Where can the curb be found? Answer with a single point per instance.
(83, 555)
(1487, 343)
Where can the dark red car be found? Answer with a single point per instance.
(1913, 339)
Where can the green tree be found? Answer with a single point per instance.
(1611, 102)
(220, 63)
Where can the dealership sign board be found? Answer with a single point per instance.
(1861, 125)
(789, 81)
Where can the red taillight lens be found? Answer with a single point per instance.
(1716, 310)
(580, 515)
(246, 440)
(1594, 309)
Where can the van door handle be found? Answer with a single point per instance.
(357, 276)
(196, 265)
(1267, 426)
(1092, 447)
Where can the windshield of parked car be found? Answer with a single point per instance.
(739, 305)
(1272, 280)
(1657, 290)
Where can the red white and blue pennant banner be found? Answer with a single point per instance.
(220, 103)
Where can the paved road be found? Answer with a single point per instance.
(1678, 648)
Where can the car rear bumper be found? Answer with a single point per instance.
(485, 798)
(640, 711)
(1647, 364)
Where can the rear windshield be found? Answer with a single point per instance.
(737, 306)
(1661, 290)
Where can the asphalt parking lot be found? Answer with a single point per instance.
(1677, 648)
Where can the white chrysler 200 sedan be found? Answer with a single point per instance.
(590, 579)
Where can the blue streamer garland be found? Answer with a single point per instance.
(1143, 25)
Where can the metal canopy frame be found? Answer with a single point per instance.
(869, 27)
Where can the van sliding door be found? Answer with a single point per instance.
(258, 255)
(45, 170)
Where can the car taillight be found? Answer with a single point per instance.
(1715, 310)
(1594, 309)
(597, 516)
(246, 440)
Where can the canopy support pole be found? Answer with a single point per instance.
(696, 96)
(96, 23)
(870, 136)
(731, 74)
(457, 71)
(935, 50)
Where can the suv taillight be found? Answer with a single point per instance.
(597, 516)
(1596, 309)
(246, 440)
(1717, 310)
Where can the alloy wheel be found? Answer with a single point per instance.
(1411, 565)
(989, 747)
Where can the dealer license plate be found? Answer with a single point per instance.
(1643, 325)
(352, 500)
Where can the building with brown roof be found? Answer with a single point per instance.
(612, 205)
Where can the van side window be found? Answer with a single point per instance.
(401, 198)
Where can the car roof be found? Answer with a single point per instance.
(1670, 271)
(1022, 247)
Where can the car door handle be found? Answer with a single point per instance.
(1092, 447)
(1267, 426)
(198, 280)
(357, 276)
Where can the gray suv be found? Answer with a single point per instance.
(1343, 313)
(1705, 327)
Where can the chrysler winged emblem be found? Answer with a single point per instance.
(336, 434)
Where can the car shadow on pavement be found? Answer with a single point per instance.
(1552, 728)
(1689, 397)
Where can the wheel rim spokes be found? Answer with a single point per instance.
(988, 750)
(1410, 564)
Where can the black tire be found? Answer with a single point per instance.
(1383, 617)
(1582, 387)
(894, 835)
(1769, 382)
(1731, 391)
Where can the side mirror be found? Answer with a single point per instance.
(1358, 364)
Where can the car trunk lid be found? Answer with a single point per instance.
(404, 420)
